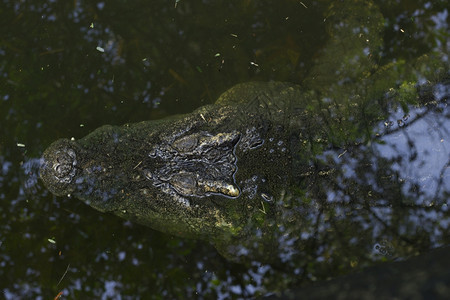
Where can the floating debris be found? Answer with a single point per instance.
(59, 295)
(67, 269)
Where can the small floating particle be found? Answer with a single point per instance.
(100, 49)
(20, 145)
(92, 25)
(51, 241)
(217, 55)
(254, 64)
(263, 210)
(340, 155)
(234, 35)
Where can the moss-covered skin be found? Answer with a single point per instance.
(240, 172)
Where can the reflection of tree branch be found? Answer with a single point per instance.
(441, 179)
(442, 130)
(313, 245)
(368, 208)
(428, 101)
(387, 227)
(411, 122)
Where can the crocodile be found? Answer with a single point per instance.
(203, 175)
(230, 172)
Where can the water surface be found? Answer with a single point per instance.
(68, 67)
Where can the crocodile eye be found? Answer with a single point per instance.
(213, 155)
(186, 143)
(184, 183)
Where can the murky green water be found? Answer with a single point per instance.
(68, 67)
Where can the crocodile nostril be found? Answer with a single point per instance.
(60, 167)
(65, 166)
(62, 170)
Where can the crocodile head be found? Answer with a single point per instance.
(177, 182)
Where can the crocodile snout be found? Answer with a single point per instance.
(59, 167)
